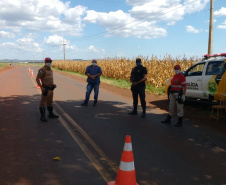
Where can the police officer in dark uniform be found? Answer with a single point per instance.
(138, 78)
(45, 80)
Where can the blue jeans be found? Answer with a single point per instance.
(89, 88)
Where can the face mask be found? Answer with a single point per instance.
(48, 64)
(177, 71)
(138, 63)
(94, 64)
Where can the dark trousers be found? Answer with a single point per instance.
(47, 100)
(138, 90)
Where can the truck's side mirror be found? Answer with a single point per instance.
(184, 73)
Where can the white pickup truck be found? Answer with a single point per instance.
(206, 80)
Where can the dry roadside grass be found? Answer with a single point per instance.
(5, 68)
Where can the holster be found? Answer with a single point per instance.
(47, 89)
(179, 98)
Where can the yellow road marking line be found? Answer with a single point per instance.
(106, 176)
(85, 135)
(34, 82)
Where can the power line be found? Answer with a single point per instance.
(140, 22)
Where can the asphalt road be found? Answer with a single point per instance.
(89, 140)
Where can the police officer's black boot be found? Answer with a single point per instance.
(43, 116)
(179, 123)
(167, 120)
(134, 112)
(51, 114)
(144, 112)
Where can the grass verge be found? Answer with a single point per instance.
(30, 64)
(121, 83)
(4, 65)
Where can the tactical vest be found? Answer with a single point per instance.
(138, 73)
(47, 80)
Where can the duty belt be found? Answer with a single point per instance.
(175, 91)
(47, 89)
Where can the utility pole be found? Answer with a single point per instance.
(64, 48)
(210, 43)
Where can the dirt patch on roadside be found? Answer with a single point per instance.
(5, 68)
(195, 112)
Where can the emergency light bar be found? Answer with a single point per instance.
(214, 55)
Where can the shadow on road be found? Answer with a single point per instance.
(28, 147)
(197, 112)
(163, 154)
(157, 147)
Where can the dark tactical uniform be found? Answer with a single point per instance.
(45, 74)
(137, 74)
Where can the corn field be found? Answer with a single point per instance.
(120, 68)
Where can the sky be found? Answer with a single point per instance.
(96, 29)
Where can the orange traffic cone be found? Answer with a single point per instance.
(32, 74)
(126, 172)
(29, 69)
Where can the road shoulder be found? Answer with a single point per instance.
(161, 102)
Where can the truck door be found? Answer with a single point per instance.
(213, 76)
(194, 77)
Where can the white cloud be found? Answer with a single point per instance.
(28, 44)
(4, 34)
(73, 15)
(50, 21)
(192, 6)
(93, 49)
(59, 18)
(165, 10)
(8, 45)
(171, 23)
(46, 15)
(57, 41)
(142, 20)
(24, 44)
(92, 16)
(222, 26)
(191, 29)
(159, 10)
(54, 40)
(73, 47)
(221, 12)
(123, 25)
(138, 2)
